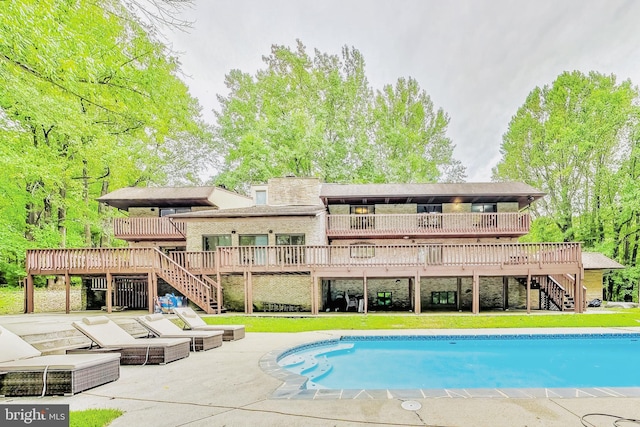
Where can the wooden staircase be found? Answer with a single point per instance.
(198, 290)
(553, 296)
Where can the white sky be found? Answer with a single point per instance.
(477, 59)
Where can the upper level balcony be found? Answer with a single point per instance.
(508, 224)
(137, 229)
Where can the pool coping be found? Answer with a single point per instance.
(292, 384)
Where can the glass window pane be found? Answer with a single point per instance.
(283, 239)
(261, 197)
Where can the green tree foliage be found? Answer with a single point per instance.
(89, 102)
(576, 139)
(318, 116)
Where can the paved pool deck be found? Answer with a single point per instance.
(229, 386)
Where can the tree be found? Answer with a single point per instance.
(88, 102)
(566, 140)
(319, 117)
(577, 140)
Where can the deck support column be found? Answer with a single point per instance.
(417, 302)
(315, 303)
(28, 295)
(216, 256)
(459, 293)
(578, 292)
(364, 290)
(475, 306)
(151, 292)
(528, 291)
(505, 293)
(109, 296)
(249, 309)
(67, 292)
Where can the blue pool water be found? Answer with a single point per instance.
(513, 361)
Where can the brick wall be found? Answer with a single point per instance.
(311, 227)
(293, 191)
(282, 289)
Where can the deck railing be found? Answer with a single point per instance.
(148, 229)
(43, 261)
(278, 257)
(431, 224)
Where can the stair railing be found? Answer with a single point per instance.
(177, 276)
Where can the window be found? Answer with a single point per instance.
(254, 240)
(210, 243)
(443, 298)
(486, 221)
(384, 300)
(430, 208)
(290, 255)
(362, 250)
(171, 211)
(430, 221)
(253, 255)
(261, 197)
(289, 239)
(484, 207)
(362, 220)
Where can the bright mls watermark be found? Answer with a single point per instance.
(34, 415)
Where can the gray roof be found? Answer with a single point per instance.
(127, 197)
(597, 261)
(255, 211)
(433, 193)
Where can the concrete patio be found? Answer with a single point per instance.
(227, 387)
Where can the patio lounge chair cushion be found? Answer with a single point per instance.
(59, 362)
(106, 333)
(195, 322)
(164, 327)
(52, 374)
(12, 347)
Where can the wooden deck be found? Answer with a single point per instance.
(138, 229)
(510, 224)
(562, 261)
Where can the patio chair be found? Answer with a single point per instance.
(193, 321)
(162, 327)
(25, 372)
(135, 351)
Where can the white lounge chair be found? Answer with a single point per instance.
(25, 372)
(135, 351)
(162, 327)
(193, 321)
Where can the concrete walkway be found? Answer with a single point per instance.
(227, 387)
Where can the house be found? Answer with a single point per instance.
(298, 244)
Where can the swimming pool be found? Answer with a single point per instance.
(467, 362)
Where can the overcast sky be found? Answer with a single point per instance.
(477, 59)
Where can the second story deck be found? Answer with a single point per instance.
(508, 224)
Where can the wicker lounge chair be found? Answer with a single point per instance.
(142, 351)
(161, 327)
(25, 372)
(193, 321)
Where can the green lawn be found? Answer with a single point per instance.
(256, 323)
(11, 300)
(93, 417)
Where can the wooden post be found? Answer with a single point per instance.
(67, 292)
(459, 293)
(219, 280)
(505, 292)
(475, 306)
(364, 290)
(151, 292)
(29, 295)
(528, 291)
(109, 296)
(416, 294)
(250, 294)
(578, 292)
(246, 291)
